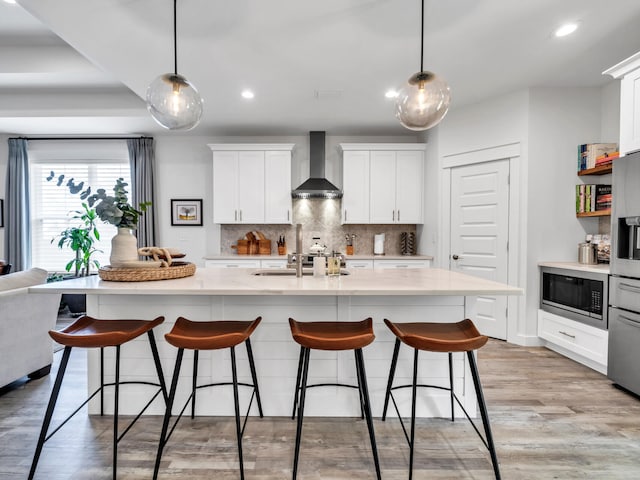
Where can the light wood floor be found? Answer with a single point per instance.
(551, 418)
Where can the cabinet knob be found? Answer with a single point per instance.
(455, 257)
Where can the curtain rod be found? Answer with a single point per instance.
(81, 138)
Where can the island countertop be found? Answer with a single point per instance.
(214, 281)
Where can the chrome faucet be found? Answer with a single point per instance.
(298, 250)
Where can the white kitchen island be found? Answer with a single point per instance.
(432, 295)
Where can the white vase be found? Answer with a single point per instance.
(124, 248)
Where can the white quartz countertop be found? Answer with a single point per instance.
(346, 257)
(580, 267)
(223, 281)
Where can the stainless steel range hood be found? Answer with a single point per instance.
(317, 186)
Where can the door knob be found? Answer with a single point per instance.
(455, 257)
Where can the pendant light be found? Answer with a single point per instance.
(424, 100)
(171, 99)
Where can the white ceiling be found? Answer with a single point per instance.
(83, 66)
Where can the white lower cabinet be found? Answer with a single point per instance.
(276, 263)
(583, 343)
(358, 263)
(247, 263)
(382, 264)
(244, 263)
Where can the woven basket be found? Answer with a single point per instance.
(176, 270)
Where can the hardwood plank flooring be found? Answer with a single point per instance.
(552, 419)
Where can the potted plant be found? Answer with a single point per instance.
(114, 209)
(80, 240)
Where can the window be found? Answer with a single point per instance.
(98, 164)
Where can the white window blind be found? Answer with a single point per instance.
(52, 206)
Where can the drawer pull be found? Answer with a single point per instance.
(629, 288)
(566, 334)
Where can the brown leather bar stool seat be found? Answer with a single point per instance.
(459, 337)
(89, 332)
(214, 335)
(334, 336)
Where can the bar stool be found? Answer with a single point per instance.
(215, 335)
(88, 332)
(440, 337)
(332, 336)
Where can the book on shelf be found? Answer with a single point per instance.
(588, 153)
(593, 198)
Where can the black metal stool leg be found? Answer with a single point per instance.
(392, 372)
(194, 381)
(367, 408)
(359, 388)
(451, 395)
(156, 361)
(116, 399)
(483, 413)
(167, 413)
(101, 381)
(298, 377)
(49, 412)
(236, 401)
(304, 354)
(254, 376)
(413, 412)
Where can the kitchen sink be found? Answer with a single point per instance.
(288, 272)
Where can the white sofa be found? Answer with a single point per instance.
(25, 320)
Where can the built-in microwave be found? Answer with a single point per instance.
(578, 295)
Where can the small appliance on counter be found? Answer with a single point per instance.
(378, 244)
(587, 253)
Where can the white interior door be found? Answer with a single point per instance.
(480, 235)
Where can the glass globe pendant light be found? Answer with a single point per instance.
(424, 100)
(172, 100)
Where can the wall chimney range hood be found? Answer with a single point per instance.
(317, 186)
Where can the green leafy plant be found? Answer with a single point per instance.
(114, 209)
(81, 240)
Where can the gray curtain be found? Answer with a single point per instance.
(142, 162)
(17, 229)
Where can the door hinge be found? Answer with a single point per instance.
(507, 245)
(508, 179)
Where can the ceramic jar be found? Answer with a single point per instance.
(124, 248)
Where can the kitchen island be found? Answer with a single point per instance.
(433, 295)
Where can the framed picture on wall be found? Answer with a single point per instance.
(1, 213)
(186, 212)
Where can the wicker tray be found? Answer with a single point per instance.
(176, 270)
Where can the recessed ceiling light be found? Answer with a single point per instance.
(12, 2)
(566, 29)
(391, 94)
(247, 94)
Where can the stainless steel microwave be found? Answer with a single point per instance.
(574, 294)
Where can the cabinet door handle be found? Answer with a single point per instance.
(402, 265)
(393, 216)
(240, 215)
(235, 215)
(629, 288)
(566, 334)
(345, 214)
(398, 215)
(288, 215)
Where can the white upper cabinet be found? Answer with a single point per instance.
(355, 185)
(387, 178)
(277, 199)
(629, 72)
(251, 183)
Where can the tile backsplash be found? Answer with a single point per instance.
(319, 218)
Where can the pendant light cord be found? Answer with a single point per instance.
(422, 40)
(175, 38)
